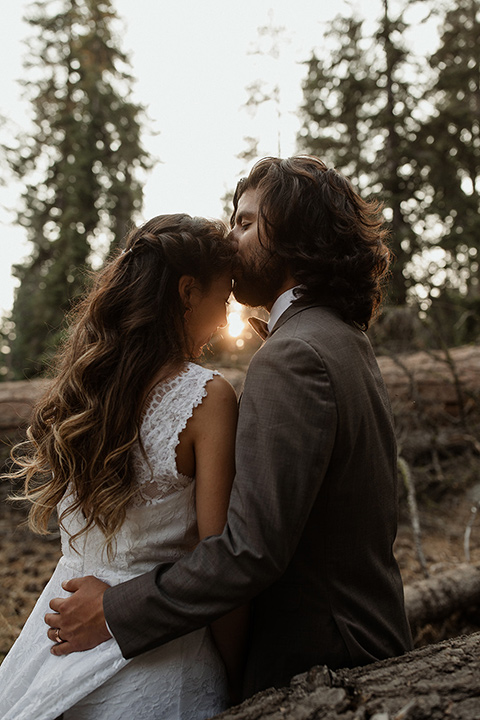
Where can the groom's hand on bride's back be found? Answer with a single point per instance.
(77, 622)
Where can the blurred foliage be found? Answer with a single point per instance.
(449, 145)
(358, 116)
(408, 131)
(80, 167)
(452, 319)
(403, 128)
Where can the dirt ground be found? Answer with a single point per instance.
(443, 531)
(27, 561)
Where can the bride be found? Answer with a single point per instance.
(133, 445)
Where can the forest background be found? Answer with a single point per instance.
(402, 127)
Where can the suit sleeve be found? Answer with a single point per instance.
(285, 438)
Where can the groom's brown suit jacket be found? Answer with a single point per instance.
(312, 517)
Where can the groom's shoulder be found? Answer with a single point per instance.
(314, 324)
(313, 332)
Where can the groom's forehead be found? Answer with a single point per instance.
(247, 205)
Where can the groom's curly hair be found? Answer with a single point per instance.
(125, 333)
(331, 240)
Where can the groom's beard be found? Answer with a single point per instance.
(258, 278)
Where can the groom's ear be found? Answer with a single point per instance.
(186, 284)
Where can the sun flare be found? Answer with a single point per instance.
(236, 325)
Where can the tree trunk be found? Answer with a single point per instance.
(437, 597)
(432, 383)
(440, 386)
(16, 401)
(432, 683)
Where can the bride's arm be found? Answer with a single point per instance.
(213, 435)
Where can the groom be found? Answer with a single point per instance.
(312, 516)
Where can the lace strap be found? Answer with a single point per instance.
(171, 406)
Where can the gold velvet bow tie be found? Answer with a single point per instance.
(260, 327)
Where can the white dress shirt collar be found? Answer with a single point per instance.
(281, 304)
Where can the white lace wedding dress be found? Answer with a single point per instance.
(184, 679)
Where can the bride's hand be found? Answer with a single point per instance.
(78, 622)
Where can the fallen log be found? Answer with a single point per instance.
(432, 683)
(439, 385)
(438, 596)
(16, 402)
(436, 384)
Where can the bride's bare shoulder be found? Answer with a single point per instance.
(218, 405)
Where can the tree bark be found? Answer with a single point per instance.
(432, 683)
(440, 386)
(16, 403)
(418, 382)
(437, 597)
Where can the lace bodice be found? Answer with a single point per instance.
(160, 525)
(168, 411)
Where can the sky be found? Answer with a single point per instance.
(192, 61)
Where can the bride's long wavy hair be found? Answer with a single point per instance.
(127, 329)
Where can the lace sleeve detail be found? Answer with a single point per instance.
(170, 407)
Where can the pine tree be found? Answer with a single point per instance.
(336, 91)
(80, 167)
(450, 147)
(358, 117)
(394, 163)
